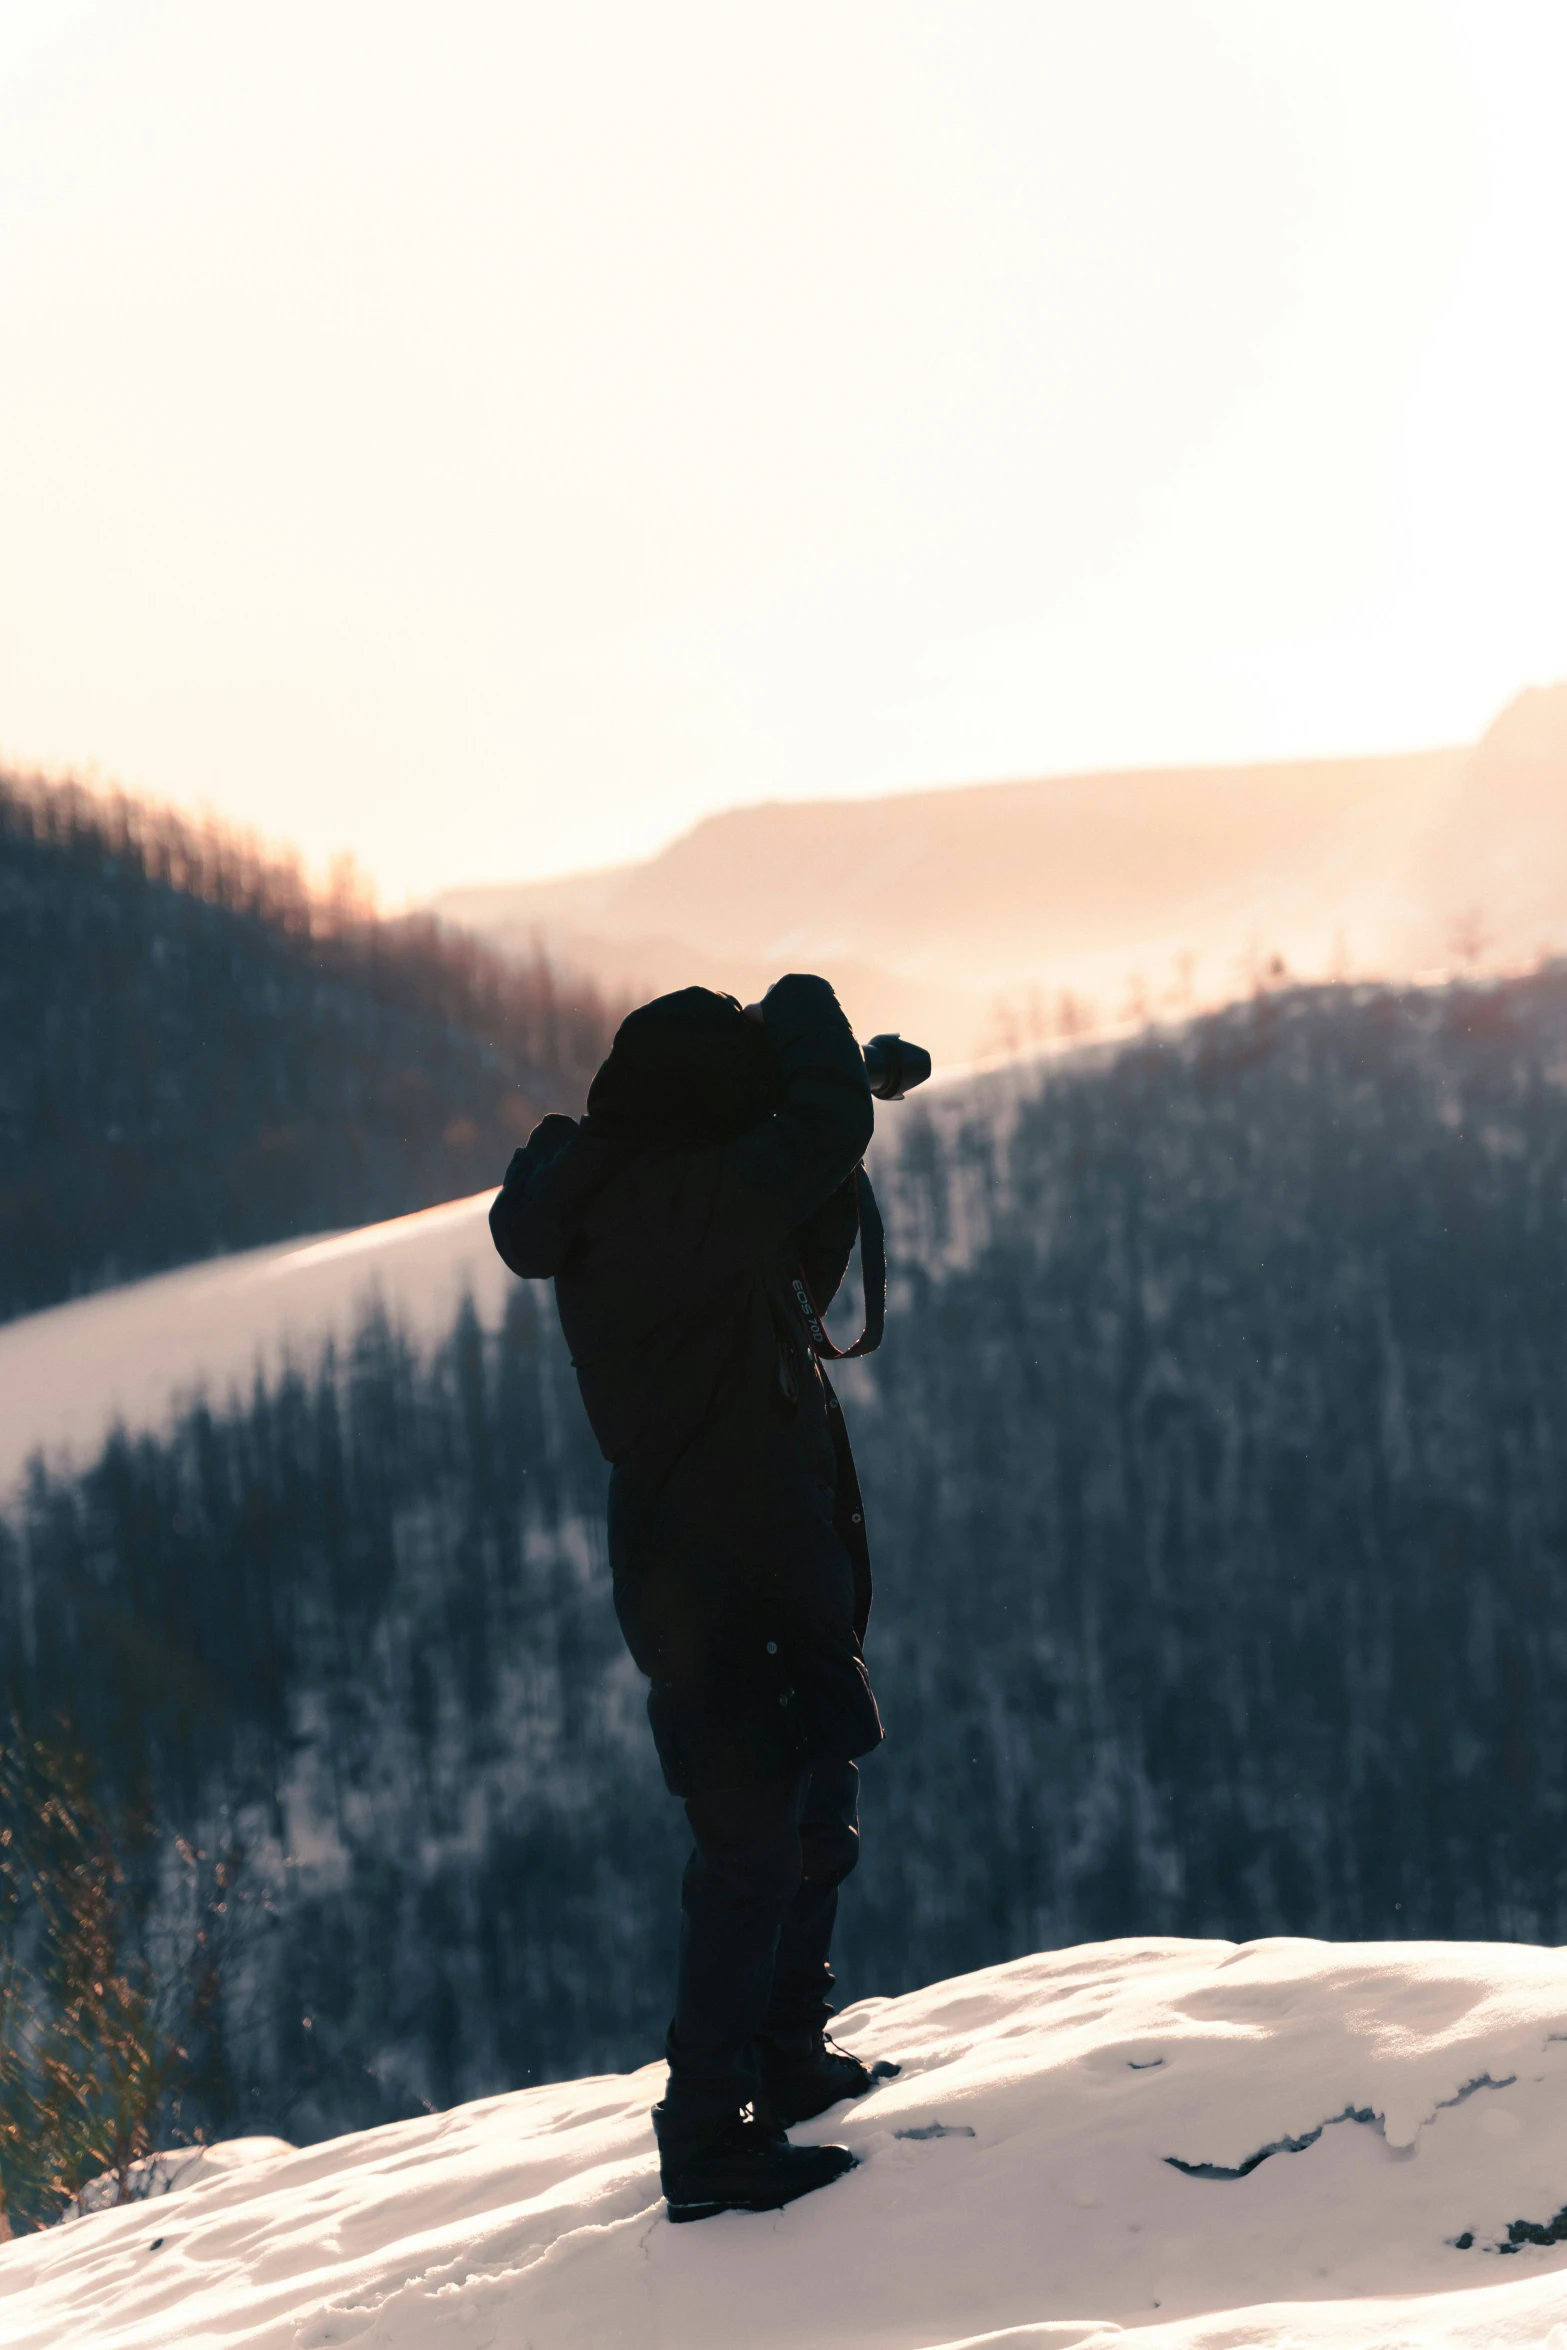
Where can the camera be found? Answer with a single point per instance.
(894, 1066)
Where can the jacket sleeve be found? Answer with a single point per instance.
(523, 1223)
(777, 1175)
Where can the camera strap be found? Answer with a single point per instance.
(873, 1273)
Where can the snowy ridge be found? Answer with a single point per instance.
(1280, 2145)
(132, 1355)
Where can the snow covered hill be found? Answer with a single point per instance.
(1276, 2145)
(135, 1354)
(132, 1354)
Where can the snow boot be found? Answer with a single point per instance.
(803, 2073)
(738, 2164)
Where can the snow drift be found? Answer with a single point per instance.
(132, 1355)
(1276, 2145)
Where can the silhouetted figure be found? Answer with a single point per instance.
(714, 1171)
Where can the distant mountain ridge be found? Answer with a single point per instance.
(965, 915)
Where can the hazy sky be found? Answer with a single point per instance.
(488, 436)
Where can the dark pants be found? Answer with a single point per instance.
(757, 1906)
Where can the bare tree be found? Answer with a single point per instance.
(1136, 1008)
(1074, 1017)
(103, 2005)
(1005, 1032)
(1181, 993)
(1468, 938)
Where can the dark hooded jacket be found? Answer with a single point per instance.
(736, 1529)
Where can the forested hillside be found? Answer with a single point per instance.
(1217, 1474)
(197, 1054)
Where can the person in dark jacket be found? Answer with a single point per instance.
(705, 1204)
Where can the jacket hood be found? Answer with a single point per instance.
(688, 1067)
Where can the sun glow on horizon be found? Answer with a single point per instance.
(490, 447)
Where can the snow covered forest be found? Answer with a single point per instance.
(1215, 1470)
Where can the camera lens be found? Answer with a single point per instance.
(894, 1066)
